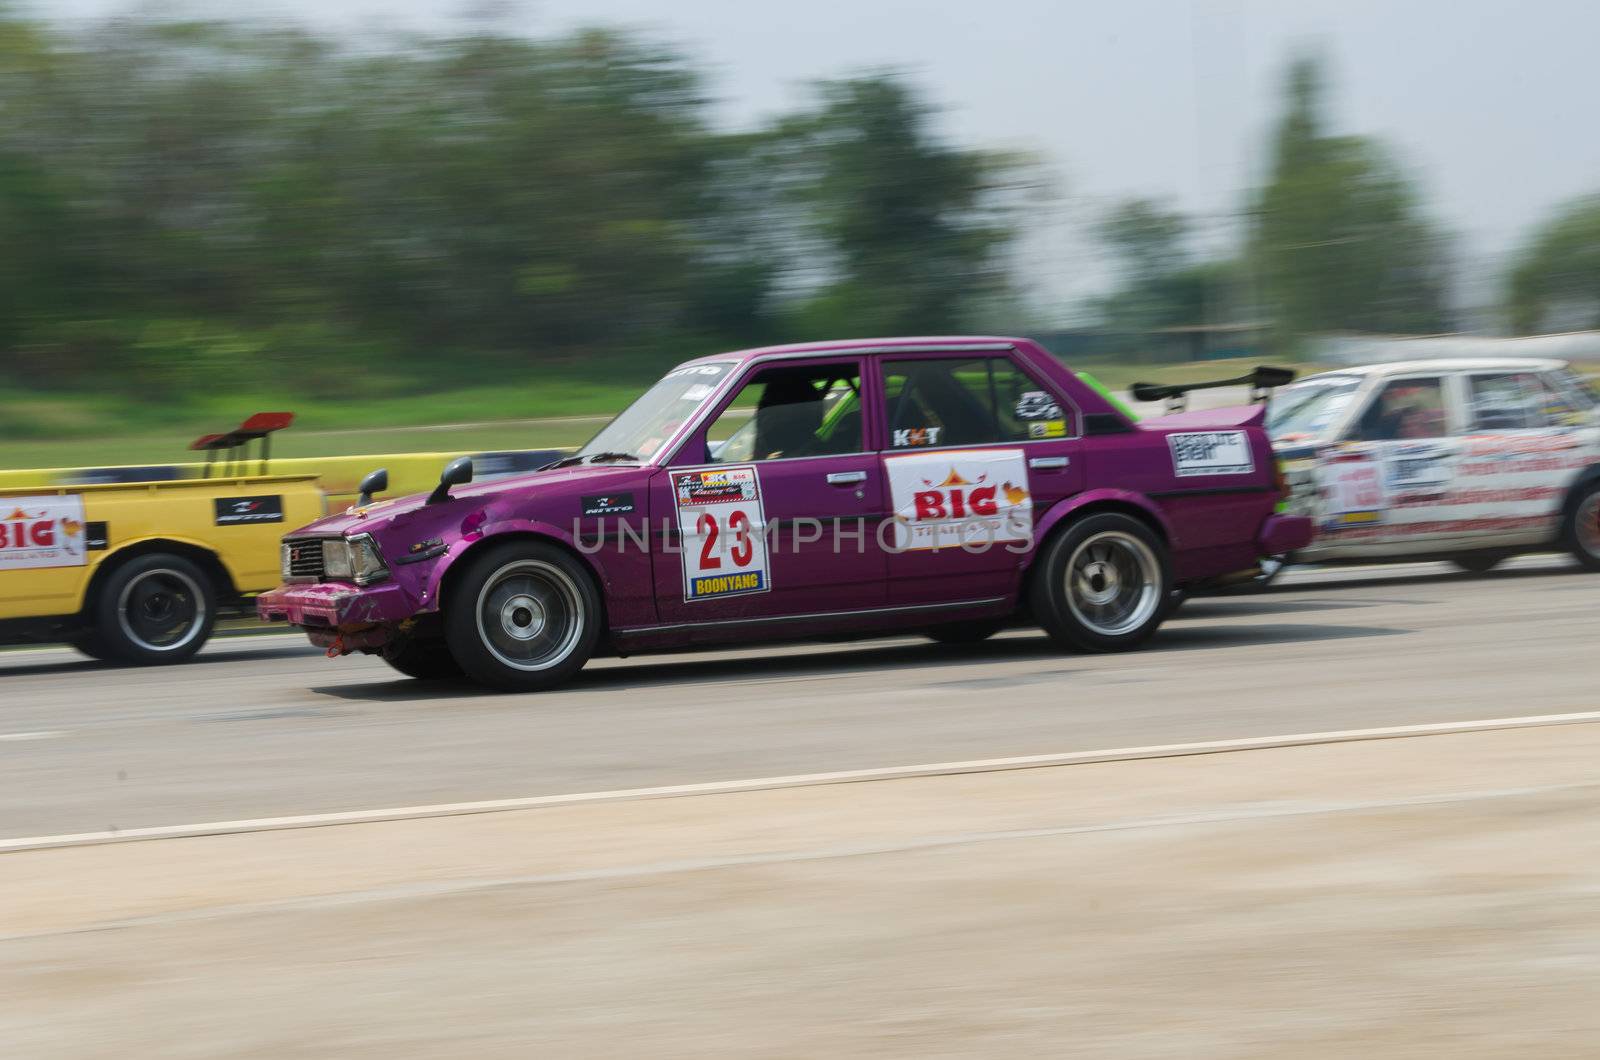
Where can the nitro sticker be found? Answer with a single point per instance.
(238, 511)
(42, 532)
(965, 497)
(1211, 453)
(607, 504)
(723, 527)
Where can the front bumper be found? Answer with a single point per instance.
(336, 606)
(1282, 534)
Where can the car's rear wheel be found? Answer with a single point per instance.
(1103, 584)
(424, 658)
(1478, 562)
(1580, 531)
(523, 617)
(152, 609)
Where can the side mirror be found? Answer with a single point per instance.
(457, 472)
(375, 482)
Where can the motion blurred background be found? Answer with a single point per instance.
(508, 218)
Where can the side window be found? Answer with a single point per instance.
(785, 412)
(967, 402)
(1509, 401)
(1404, 409)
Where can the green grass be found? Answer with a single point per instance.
(89, 431)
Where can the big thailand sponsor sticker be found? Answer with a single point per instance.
(42, 532)
(958, 498)
(723, 527)
(1211, 453)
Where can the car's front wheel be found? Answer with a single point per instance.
(523, 617)
(1580, 531)
(1103, 584)
(424, 658)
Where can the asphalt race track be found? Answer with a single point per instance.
(265, 726)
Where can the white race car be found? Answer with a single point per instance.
(1466, 460)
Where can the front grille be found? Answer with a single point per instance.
(303, 559)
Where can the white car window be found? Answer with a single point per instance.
(1509, 401)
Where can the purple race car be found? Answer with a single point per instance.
(936, 485)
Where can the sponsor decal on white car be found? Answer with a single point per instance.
(1211, 453)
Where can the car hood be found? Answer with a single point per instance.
(550, 484)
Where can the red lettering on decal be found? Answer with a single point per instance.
(930, 504)
(981, 501)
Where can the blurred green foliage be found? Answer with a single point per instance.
(1555, 281)
(194, 209)
(1339, 239)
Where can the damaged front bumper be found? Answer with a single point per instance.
(339, 616)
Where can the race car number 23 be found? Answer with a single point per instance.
(721, 521)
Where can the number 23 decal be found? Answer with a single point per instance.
(743, 548)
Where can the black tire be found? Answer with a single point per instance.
(1176, 598)
(426, 659)
(87, 642)
(1120, 592)
(1478, 562)
(499, 609)
(151, 610)
(1580, 528)
(965, 632)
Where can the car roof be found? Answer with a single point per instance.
(1446, 364)
(896, 344)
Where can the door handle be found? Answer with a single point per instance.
(846, 478)
(1047, 463)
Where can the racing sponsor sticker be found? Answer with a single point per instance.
(915, 437)
(723, 527)
(1355, 492)
(1417, 467)
(1048, 429)
(44, 531)
(239, 511)
(966, 497)
(607, 504)
(1037, 405)
(1211, 453)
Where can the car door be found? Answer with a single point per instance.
(772, 507)
(975, 450)
(1523, 443)
(1387, 483)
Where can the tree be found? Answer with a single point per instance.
(1161, 284)
(910, 230)
(1554, 284)
(1339, 241)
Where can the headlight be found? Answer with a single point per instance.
(355, 559)
(283, 560)
(366, 562)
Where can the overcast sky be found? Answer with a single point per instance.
(1491, 103)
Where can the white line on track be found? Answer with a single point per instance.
(42, 735)
(728, 787)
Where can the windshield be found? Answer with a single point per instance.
(642, 428)
(1310, 407)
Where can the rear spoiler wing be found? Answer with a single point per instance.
(236, 443)
(1261, 381)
